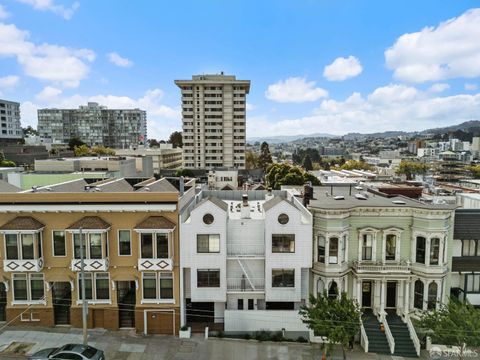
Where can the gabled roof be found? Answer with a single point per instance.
(258, 187)
(267, 205)
(220, 203)
(228, 187)
(22, 223)
(118, 185)
(162, 185)
(6, 187)
(90, 223)
(155, 223)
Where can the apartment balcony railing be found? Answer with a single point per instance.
(90, 264)
(16, 265)
(382, 268)
(245, 250)
(145, 264)
(243, 285)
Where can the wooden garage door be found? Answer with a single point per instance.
(160, 322)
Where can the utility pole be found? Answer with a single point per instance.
(84, 301)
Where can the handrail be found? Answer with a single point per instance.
(413, 335)
(388, 333)
(363, 337)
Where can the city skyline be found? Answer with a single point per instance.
(315, 66)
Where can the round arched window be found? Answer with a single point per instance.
(208, 219)
(283, 219)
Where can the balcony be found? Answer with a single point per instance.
(33, 265)
(155, 264)
(90, 264)
(403, 267)
(242, 250)
(243, 285)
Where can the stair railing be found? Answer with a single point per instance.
(413, 335)
(363, 337)
(388, 333)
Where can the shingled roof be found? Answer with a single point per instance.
(155, 223)
(22, 223)
(467, 224)
(90, 223)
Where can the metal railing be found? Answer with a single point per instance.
(363, 337)
(388, 333)
(413, 335)
(242, 284)
(360, 266)
(245, 250)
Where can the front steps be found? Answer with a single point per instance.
(403, 343)
(377, 340)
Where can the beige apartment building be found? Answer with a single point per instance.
(214, 116)
(131, 251)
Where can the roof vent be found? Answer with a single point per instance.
(398, 202)
(358, 187)
(360, 197)
(339, 197)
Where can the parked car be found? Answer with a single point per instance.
(69, 352)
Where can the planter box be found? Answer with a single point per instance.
(185, 334)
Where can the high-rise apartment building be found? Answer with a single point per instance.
(94, 125)
(10, 127)
(213, 113)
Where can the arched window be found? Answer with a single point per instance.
(418, 295)
(432, 295)
(390, 247)
(434, 251)
(320, 286)
(333, 290)
(321, 249)
(333, 251)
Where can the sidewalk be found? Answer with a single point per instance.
(126, 345)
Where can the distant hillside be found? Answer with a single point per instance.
(467, 126)
(284, 138)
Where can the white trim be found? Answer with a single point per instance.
(29, 302)
(87, 231)
(170, 242)
(151, 231)
(86, 208)
(93, 300)
(158, 300)
(118, 241)
(28, 289)
(96, 302)
(152, 301)
(21, 231)
(64, 240)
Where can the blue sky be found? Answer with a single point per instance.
(315, 66)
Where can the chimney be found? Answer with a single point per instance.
(245, 211)
(182, 185)
(307, 194)
(269, 194)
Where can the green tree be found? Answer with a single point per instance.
(102, 150)
(411, 168)
(82, 150)
(252, 160)
(286, 174)
(75, 142)
(337, 318)
(455, 323)
(474, 170)
(176, 139)
(29, 131)
(185, 173)
(356, 165)
(2, 156)
(265, 156)
(307, 163)
(153, 143)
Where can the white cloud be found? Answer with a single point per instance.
(250, 106)
(295, 90)
(9, 81)
(61, 65)
(49, 5)
(116, 59)
(3, 13)
(450, 50)
(161, 119)
(392, 107)
(438, 87)
(471, 87)
(342, 69)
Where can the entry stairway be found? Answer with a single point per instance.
(377, 339)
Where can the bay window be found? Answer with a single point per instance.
(434, 251)
(420, 250)
(94, 246)
(333, 250)
(321, 249)
(154, 246)
(23, 246)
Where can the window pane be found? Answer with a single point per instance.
(432, 295)
(27, 246)
(208, 278)
(367, 247)
(418, 296)
(283, 243)
(12, 248)
(37, 286)
(20, 287)
(420, 254)
(59, 248)
(202, 243)
(390, 247)
(124, 242)
(147, 246)
(434, 251)
(333, 251)
(162, 246)
(166, 286)
(95, 246)
(149, 286)
(214, 243)
(76, 246)
(321, 249)
(103, 292)
(88, 286)
(283, 278)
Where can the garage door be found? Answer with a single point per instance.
(161, 322)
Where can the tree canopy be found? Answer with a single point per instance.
(252, 160)
(265, 156)
(307, 163)
(176, 139)
(411, 168)
(84, 150)
(185, 173)
(75, 142)
(286, 174)
(356, 165)
(337, 318)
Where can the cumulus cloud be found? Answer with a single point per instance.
(9, 81)
(47, 62)
(49, 5)
(161, 119)
(116, 59)
(343, 68)
(449, 50)
(3, 13)
(471, 87)
(295, 90)
(390, 107)
(438, 87)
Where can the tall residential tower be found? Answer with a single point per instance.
(213, 114)
(10, 127)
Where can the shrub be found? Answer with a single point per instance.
(184, 328)
(220, 334)
(277, 336)
(247, 336)
(301, 339)
(262, 335)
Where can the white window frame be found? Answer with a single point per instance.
(398, 234)
(86, 245)
(64, 241)
(369, 231)
(154, 243)
(29, 300)
(118, 242)
(37, 237)
(207, 252)
(94, 300)
(158, 299)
